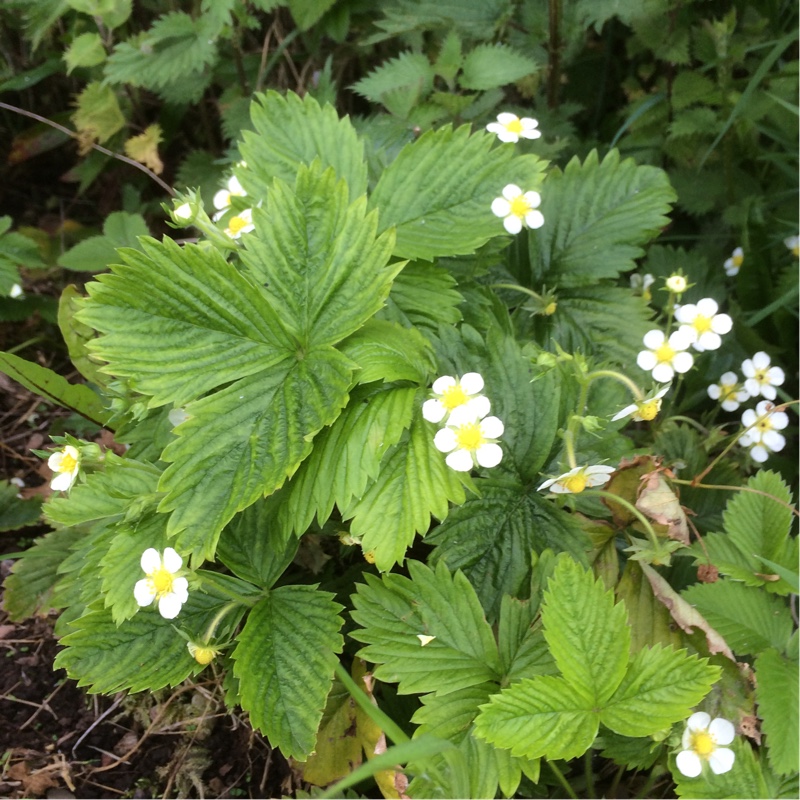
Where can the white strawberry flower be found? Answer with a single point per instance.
(469, 440)
(643, 410)
(222, 199)
(701, 745)
(733, 263)
(730, 393)
(66, 463)
(702, 324)
(762, 426)
(451, 393)
(761, 378)
(518, 208)
(15, 292)
(793, 243)
(161, 584)
(509, 127)
(578, 479)
(664, 357)
(240, 223)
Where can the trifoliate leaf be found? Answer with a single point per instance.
(414, 484)
(284, 661)
(120, 229)
(492, 65)
(749, 619)
(85, 50)
(778, 701)
(598, 217)
(439, 191)
(97, 116)
(144, 148)
(393, 611)
(290, 131)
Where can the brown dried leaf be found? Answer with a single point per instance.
(658, 502)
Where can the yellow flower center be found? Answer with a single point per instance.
(550, 309)
(650, 409)
(453, 396)
(703, 743)
(665, 354)
(469, 436)
(764, 424)
(161, 581)
(520, 206)
(796, 249)
(727, 391)
(575, 483)
(761, 376)
(737, 260)
(68, 462)
(236, 224)
(702, 324)
(515, 126)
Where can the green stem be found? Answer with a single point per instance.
(569, 443)
(690, 421)
(589, 773)
(562, 780)
(612, 792)
(237, 598)
(517, 288)
(651, 534)
(617, 376)
(218, 617)
(654, 775)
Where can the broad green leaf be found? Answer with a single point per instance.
(661, 687)
(513, 628)
(85, 50)
(491, 537)
(410, 72)
(242, 443)
(493, 65)
(252, 545)
(439, 190)
(16, 512)
(385, 351)
(284, 662)
(347, 455)
(306, 12)
(323, 268)
(749, 619)
(413, 485)
(598, 217)
(29, 587)
(587, 632)
(77, 335)
(290, 132)
(450, 716)
(393, 611)
(179, 321)
(97, 252)
(625, 751)
(55, 388)
(539, 717)
(778, 701)
(141, 653)
(423, 294)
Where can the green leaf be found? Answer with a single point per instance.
(587, 632)
(394, 610)
(423, 295)
(284, 661)
(414, 484)
(53, 387)
(493, 65)
(450, 58)
(598, 216)
(661, 687)
(539, 717)
(29, 587)
(85, 50)
(290, 132)
(306, 12)
(409, 72)
(98, 115)
(439, 190)
(385, 351)
(450, 715)
(77, 335)
(749, 619)
(15, 512)
(491, 537)
(97, 252)
(778, 700)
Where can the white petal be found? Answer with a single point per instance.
(707, 307)
(489, 455)
(150, 561)
(646, 359)
(773, 440)
(471, 382)
(680, 339)
(445, 440)
(180, 588)
(759, 453)
(749, 417)
(467, 413)
(222, 199)
(722, 323)
(722, 730)
(599, 469)
(748, 368)
(479, 406)
(596, 480)
(752, 386)
(534, 219)
(688, 763)
(511, 191)
(627, 411)
(492, 428)
(144, 592)
(501, 207)
(663, 372)
(512, 224)
(686, 313)
(172, 561)
(747, 438)
(768, 391)
(721, 760)
(730, 404)
(708, 341)
(460, 461)
(653, 339)
(234, 187)
(507, 137)
(776, 376)
(559, 488)
(681, 363)
(699, 721)
(63, 481)
(169, 606)
(690, 332)
(504, 117)
(714, 392)
(433, 410)
(495, 127)
(534, 199)
(779, 420)
(729, 377)
(761, 360)
(546, 484)
(440, 385)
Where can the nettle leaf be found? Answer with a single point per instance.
(141, 653)
(347, 455)
(599, 215)
(439, 190)
(749, 619)
(394, 610)
(491, 537)
(423, 295)
(284, 661)
(587, 632)
(491, 65)
(410, 72)
(290, 132)
(778, 700)
(755, 526)
(414, 484)
(85, 50)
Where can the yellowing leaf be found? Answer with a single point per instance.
(144, 148)
(658, 501)
(97, 116)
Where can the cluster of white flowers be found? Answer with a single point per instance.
(578, 479)
(468, 436)
(701, 745)
(162, 585)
